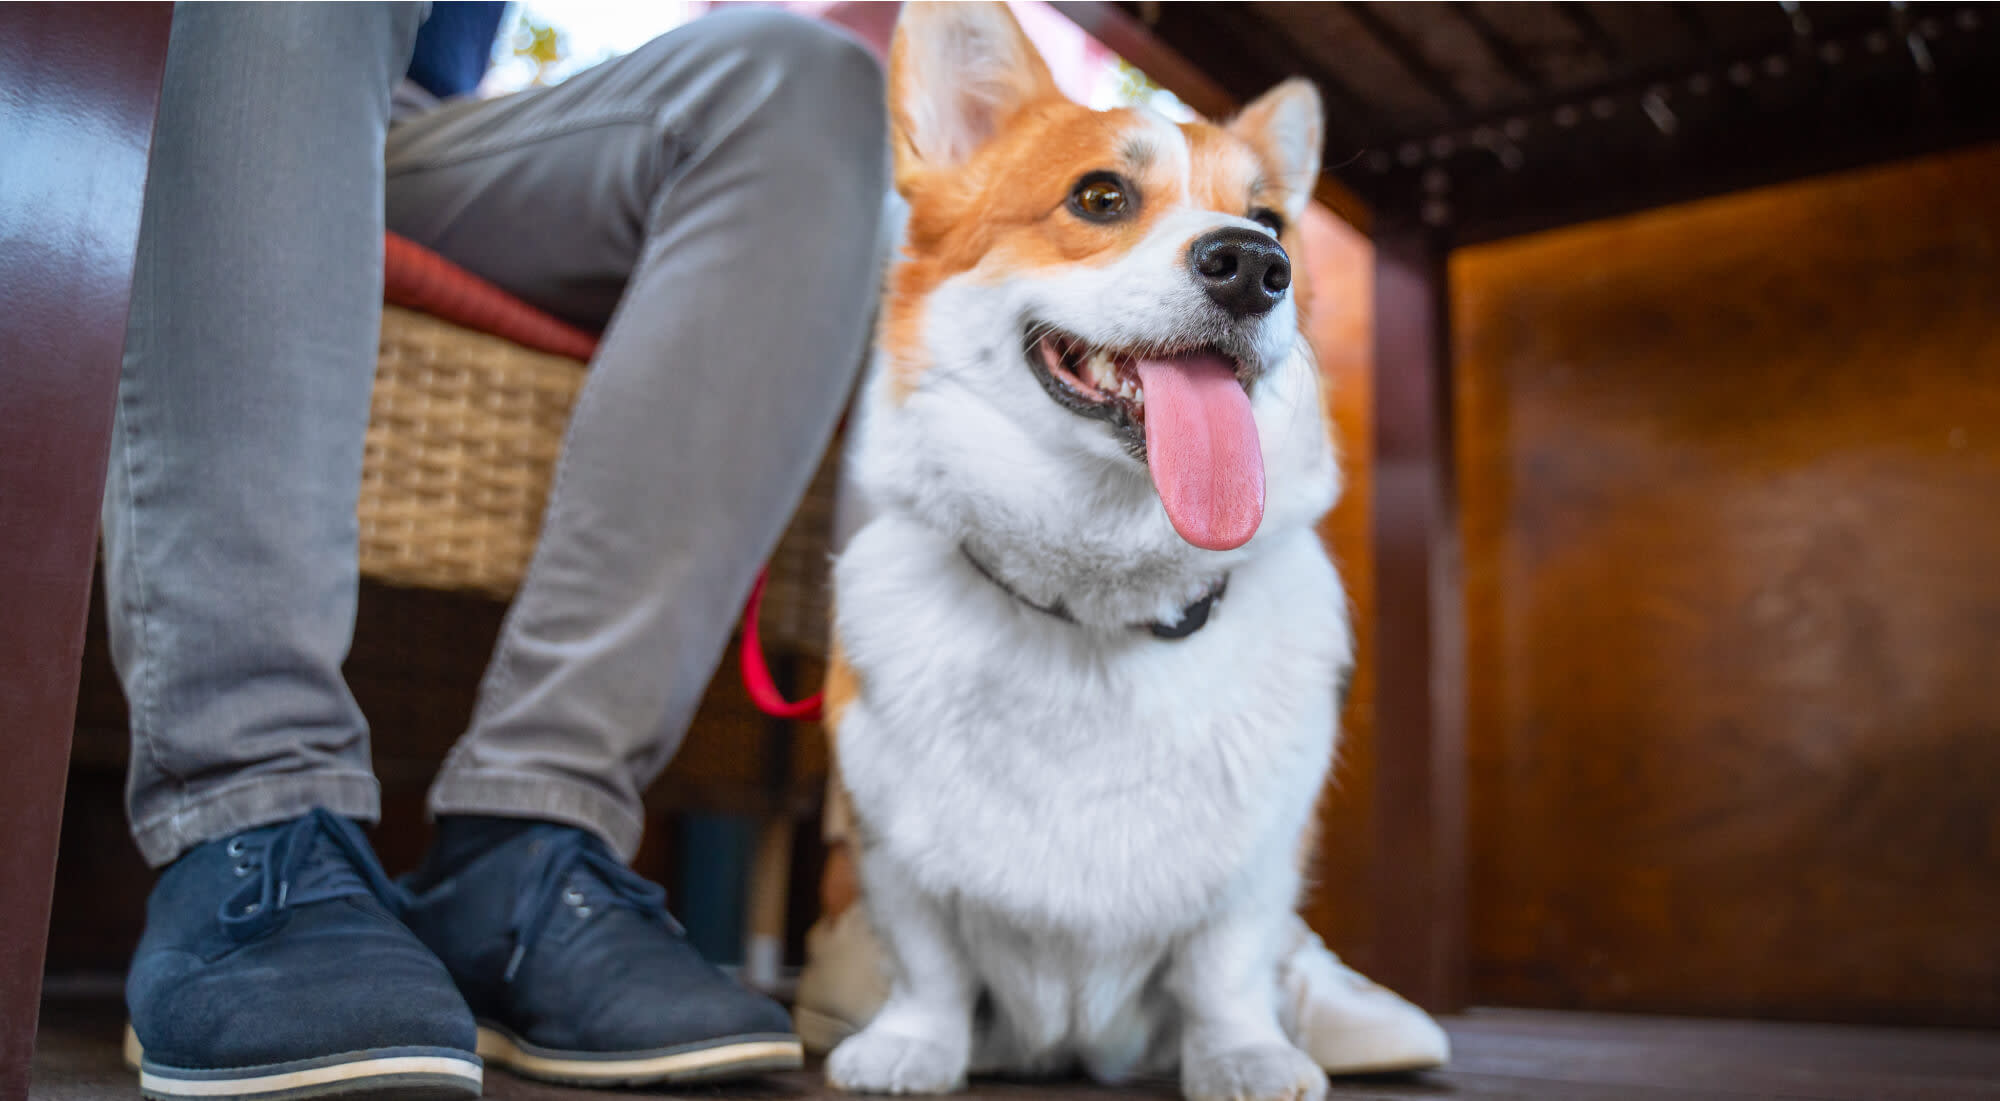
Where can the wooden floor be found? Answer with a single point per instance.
(1498, 1054)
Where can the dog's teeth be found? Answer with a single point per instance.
(1102, 374)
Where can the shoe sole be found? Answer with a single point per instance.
(820, 1032)
(387, 1074)
(709, 1061)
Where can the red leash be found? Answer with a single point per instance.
(757, 673)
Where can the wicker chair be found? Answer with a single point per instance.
(472, 397)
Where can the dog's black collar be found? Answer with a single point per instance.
(1193, 617)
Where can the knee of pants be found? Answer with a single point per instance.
(813, 82)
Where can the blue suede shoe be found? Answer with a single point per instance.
(577, 974)
(273, 966)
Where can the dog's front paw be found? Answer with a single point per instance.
(874, 1061)
(1270, 1072)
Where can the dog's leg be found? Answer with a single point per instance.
(921, 1039)
(1223, 977)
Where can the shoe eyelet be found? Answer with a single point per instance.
(243, 870)
(252, 908)
(572, 896)
(235, 847)
(582, 912)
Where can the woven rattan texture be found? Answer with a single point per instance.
(461, 450)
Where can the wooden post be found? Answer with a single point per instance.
(1418, 887)
(771, 869)
(79, 88)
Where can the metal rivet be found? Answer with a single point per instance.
(573, 896)
(1655, 106)
(235, 847)
(1801, 25)
(1920, 53)
(242, 870)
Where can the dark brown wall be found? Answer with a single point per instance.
(1731, 486)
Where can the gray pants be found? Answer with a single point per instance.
(712, 198)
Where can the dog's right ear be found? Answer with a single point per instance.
(957, 72)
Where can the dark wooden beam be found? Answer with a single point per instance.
(1170, 69)
(1407, 55)
(79, 87)
(1599, 152)
(1418, 869)
(1586, 26)
(1499, 47)
(1688, 15)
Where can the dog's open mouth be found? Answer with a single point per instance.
(1105, 383)
(1185, 413)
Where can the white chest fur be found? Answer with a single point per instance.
(1083, 795)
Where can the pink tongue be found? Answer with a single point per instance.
(1201, 443)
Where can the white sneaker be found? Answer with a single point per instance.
(843, 983)
(1347, 1024)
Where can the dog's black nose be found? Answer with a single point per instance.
(1244, 271)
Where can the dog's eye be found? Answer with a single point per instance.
(1101, 197)
(1269, 219)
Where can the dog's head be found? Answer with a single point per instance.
(1094, 303)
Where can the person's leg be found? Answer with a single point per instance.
(230, 546)
(715, 196)
(229, 514)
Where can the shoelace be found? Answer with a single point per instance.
(565, 851)
(319, 856)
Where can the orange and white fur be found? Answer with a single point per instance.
(1081, 843)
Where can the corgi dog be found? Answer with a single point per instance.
(1088, 645)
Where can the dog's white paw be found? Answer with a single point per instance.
(1269, 1072)
(873, 1061)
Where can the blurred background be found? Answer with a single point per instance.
(1664, 345)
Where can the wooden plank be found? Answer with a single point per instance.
(1728, 483)
(1499, 1054)
(1418, 873)
(79, 88)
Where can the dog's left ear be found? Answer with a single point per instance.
(1286, 126)
(957, 72)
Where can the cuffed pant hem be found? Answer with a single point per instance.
(251, 802)
(555, 798)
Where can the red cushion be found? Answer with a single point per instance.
(416, 278)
